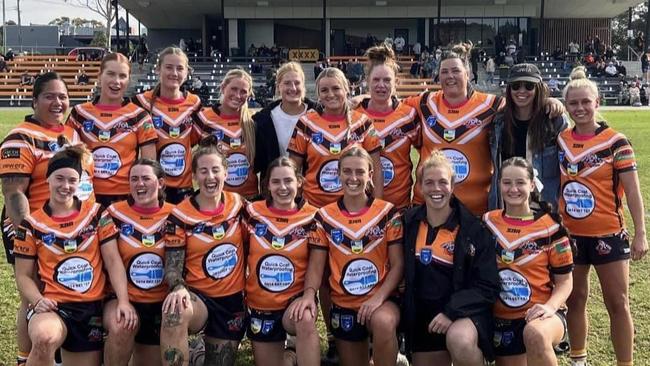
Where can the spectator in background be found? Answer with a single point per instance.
(639, 42)
(182, 45)
(490, 69)
(389, 40)
(26, 79)
(82, 79)
(611, 70)
(574, 48)
(252, 51)
(511, 49)
(399, 44)
(10, 55)
(143, 51)
(635, 95)
(623, 97)
(473, 60)
(609, 53)
(558, 54)
(622, 71)
(553, 85)
(3, 65)
(417, 49)
(81, 56)
(598, 46)
(589, 59)
(645, 66)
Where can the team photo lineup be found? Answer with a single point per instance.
(450, 227)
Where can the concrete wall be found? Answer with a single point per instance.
(161, 38)
(259, 32)
(34, 39)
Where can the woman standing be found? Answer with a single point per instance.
(397, 125)
(114, 129)
(204, 265)
(172, 112)
(231, 123)
(275, 123)
(277, 257)
(322, 136)
(598, 170)
(528, 131)
(69, 245)
(535, 262)
(447, 245)
(140, 221)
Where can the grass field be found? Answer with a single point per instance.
(634, 124)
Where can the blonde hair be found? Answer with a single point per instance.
(245, 115)
(171, 50)
(359, 152)
(578, 80)
(291, 66)
(436, 159)
(333, 72)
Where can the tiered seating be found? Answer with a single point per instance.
(13, 93)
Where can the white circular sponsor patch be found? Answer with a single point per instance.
(328, 177)
(580, 202)
(389, 170)
(360, 277)
(237, 169)
(459, 162)
(172, 159)
(146, 271)
(220, 261)
(515, 290)
(75, 273)
(107, 162)
(275, 273)
(85, 188)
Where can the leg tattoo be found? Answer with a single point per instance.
(220, 355)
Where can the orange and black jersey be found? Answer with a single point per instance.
(398, 130)
(173, 122)
(142, 248)
(26, 151)
(462, 133)
(320, 140)
(227, 129)
(358, 248)
(529, 252)
(213, 244)
(113, 134)
(278, 253)
(591, 193)
(67, 251)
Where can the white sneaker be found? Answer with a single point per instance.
(401, 360)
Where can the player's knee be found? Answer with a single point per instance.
(44, 340)
(384, 324)
(306, 327)
(461, 338)
(617, 304)
(535, 339)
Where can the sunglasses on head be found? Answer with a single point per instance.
(526, 84)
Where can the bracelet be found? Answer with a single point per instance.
(34, 305)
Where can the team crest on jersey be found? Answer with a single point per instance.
(198, 228)
(260, 229)
(507, 337)
(397, 133)
(473, 122)
(355, 136)
(448, 247)
(54, 147)
(277, 242)
(256, 325)
(87, 232)
(48, 238)
(298, 233)
(507, 256)
(592, 160)
(425, 256)
(431, 121)
(123, 127)
(317, 137)
(126, 229)
(347, 322)
(603, 248)
(157, 121)
(449, 135)
(218, 232)
(267, 326)
(572, 169)
(560, 156)
(235, 143)
(104, 136)
(148, 240)
(356, 246)
(374, 233)
(174, 132)
(335, 148)
(337, 236)
(336, 320)
(88, 125)
(530, 247)
(218, 134)
(70, 246)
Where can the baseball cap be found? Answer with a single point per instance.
(524, 72)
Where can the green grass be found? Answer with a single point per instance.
(634, 124)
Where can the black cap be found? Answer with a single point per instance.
(524, 72)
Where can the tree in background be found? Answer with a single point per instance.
(620, 39)
(104, 9)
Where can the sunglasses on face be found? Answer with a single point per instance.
(526, 84)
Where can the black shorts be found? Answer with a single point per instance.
(344, 324)
(177, 195)
(423, 341)
(149, 315)
(8, 236)
(266, 326)
(83, 321)
(509, 335)
(601, 250)
(226, 316)
(106, 200)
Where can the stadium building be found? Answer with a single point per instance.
(342, 27)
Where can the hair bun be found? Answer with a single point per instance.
(380, 54)
(580, 72)
(209, 141)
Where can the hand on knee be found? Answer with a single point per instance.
(306, 327)
(177, 320)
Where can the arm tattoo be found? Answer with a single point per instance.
(174, 264)
(171, 320)
(173, 357)
(17, 207)
(220, 354)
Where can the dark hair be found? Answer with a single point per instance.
(460, 51)
(540, 127)
(281, 161)
(68, 155)
(209, 145)
(157, 171)
(42, 80)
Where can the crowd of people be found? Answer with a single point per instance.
(134, 222)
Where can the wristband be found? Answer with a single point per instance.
(34, 305)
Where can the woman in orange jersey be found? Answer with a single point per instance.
(231, 123)
(204, 265)
(598, 169)
(446, 245)
(172, 112)
(25, 153)
(535, 261)
(70, 247)
(322, 136)
(397, 125)
(359, 238)
(115, 130)
(140, 221)
(277, 258)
